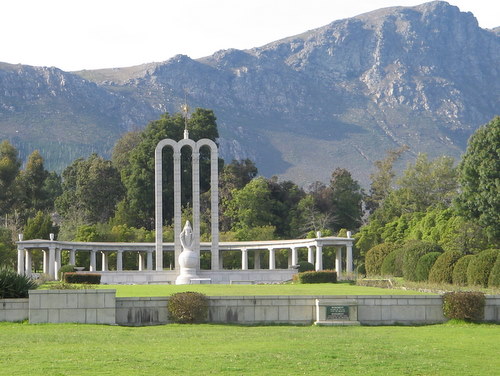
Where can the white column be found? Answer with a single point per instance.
(92, 267)
(104, 259)
(149, 263)
(244, 259)
(45, 261)
(57, 264)
(289, 258)
(158, 207)
(319, 257)
(295, 254)
(310, 254)
(72, 257)
(256, 263)
(272, 259)
(195, 157)
(20, 261)
(119, 260)
(214, 203)
(338, 262)
(28, 263)
(349, 266)
(177, 207)
(141, 261)
(52, 261)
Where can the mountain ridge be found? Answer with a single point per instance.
(336, 96)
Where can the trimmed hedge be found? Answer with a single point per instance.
(324, 276)
(460, 270)
(91, 279)
(464, 305)
(393, 264)
(494, 279)
(413, 250)
(479, 268)
(65, 269)
(13, 285)
(304, 266)
(188, 307)
(375, 257)
(442, 270)
(424, 266)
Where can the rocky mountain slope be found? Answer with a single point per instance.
(340, 95)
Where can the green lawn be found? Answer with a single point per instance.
(70, 349)
(254, 290)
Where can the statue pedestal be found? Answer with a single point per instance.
(187, 263)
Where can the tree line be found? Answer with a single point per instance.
(95, 199)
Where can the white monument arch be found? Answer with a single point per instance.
(214, 197)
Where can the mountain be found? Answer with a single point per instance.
(337, 96)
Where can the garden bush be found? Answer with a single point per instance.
(13, 285)
(304, 266)
(480, 266)
(413, 250)
(188, 307)
(375, 257)
(324, 276)
(91, 279)
(65, 269)
(464, 305)
(460, 270)
(494, 279)
(442, 270)
(393, 264)
(424, 265)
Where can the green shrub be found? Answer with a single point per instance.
(91, 279)
(323, 276)
(375, 257)
(13, 285)
(393, 264)
(64, 286)
(424, 265)
(65, 269)
(480, 267)
(494, 279)
(305, 266)
(464, 305)
(460, 270)
(413, 250)
(188, 307)
(442, 270)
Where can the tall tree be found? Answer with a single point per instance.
(480, 178)
(382, 179)
(347, 198)
(9, 170)
(91, 189)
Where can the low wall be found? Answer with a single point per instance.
(75, 306)
(14, 309)
(216, 277)
(102, 307)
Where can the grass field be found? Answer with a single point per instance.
(70, 349)
(254, 290)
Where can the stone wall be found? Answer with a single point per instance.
(76, 306)
(14, 309)
(102, 307)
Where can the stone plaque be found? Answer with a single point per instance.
(337, 312)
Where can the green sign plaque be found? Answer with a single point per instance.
(340, 312)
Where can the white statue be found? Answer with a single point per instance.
(188, 260)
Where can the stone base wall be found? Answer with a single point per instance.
(102, 307)
(75, 306)
(14, 309)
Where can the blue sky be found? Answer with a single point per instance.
(92, 34)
